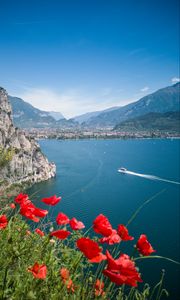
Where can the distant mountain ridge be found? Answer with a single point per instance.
(164, 100)
(87, 116)
(168, 121)
(27, 116)
(56, 115)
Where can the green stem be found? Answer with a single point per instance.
(160, 286)
(146, 202)
(4, 282)
(33, 194)
(75, 265)
(133, 253)
(163, 291)
(131, 293)
(87, 231)
(157, 256)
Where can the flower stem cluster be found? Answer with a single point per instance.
(39, 262)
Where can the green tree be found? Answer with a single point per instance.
(6, 156)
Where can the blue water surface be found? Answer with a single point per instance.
(89, 183)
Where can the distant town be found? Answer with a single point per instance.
(49, 133)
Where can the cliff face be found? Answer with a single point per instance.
(28, 163)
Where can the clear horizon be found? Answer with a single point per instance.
(76, 57)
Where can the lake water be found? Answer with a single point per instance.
(89, 183)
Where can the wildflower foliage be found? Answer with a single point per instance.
(65, 262)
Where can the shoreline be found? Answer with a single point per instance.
(109, 138)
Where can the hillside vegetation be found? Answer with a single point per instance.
(169, 121)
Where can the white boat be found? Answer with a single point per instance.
(122, 170)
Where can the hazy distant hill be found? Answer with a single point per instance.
(169, 121)
(25, 115)
(86, 117)
(163, 100)
(56, 115)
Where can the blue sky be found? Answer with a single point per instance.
(77, 56)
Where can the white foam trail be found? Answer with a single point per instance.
(151, 177)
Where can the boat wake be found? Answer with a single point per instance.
(150, 177)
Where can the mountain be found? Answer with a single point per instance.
(86, 117)
(27, 116)
(56, 115)
(27, 163)
(163, 100)
(169, 121)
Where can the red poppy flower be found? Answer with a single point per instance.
(114, 238)
(60, 234)
(70, 286)
(123, 233)
(38, 271)
(21, 198)
(90, 249)
(40, 232)
(26, 202)
(28, 212)
(67, 280)
(75, 224)
(12, 205)
(39, 212)
(3, 222)
(143, 246)
(102, 225)
(28, 209)
(53, 200)
(99, 286)
(122, 270)
(62, 219)
(64, 273)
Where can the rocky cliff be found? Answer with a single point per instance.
(28, 163)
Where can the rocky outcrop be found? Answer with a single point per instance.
(28, 162)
